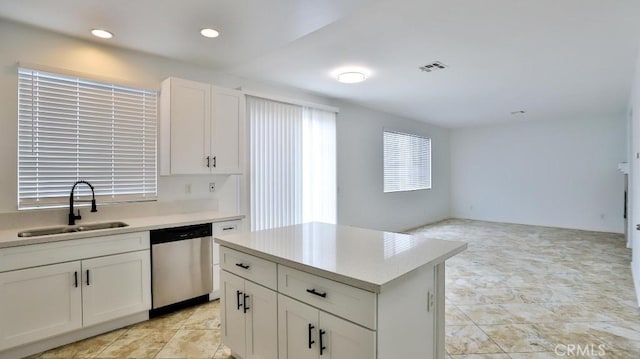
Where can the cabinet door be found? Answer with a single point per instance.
(227, 129)
(297, 329)
(190, 126)
(38, 303)
(115, 286)
(262, 322)
(342, 339)
(406, 316)
(232, 315)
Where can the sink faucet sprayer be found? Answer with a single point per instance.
(73, 217)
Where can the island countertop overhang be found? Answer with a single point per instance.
(363, 258)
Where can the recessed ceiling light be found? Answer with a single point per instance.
(103, 34)
(351, 77)
(209, 33)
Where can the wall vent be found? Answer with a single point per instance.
(436, 65)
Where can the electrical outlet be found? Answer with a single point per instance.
(212, 186)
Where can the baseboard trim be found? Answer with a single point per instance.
(54, 342)
(636, 282)
(596, 230)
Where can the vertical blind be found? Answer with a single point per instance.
(318, 165)
(72, 129)
(407, 162)
(292, 164)
(275, 163)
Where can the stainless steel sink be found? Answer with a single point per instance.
(105, 225)
(70, 229)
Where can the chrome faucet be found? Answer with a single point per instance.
(72, 216)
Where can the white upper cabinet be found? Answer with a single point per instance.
(201, 129)
(185, 115)
(227, 128)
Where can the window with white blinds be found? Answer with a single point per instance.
(72, 129)
(407, 162)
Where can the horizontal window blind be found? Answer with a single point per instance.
(72, 129)
(407, 162)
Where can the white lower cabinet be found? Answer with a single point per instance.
(51, 289)
(220, 228)
(249, 318)
(305, 332)
(39, 302)
(320, 318)
(115, 286)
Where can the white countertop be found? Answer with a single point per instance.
(9, 237)
(362, 258)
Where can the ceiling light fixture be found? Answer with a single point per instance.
(103, 34)
(351, 77)
(210, 33)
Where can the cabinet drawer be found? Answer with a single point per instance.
(64, 251)
(222, 228)
(227, 227)
(249, 267)
(345, 301)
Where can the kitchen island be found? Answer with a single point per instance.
(321, 290)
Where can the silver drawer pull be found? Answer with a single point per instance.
(319, 294)
(228, 228)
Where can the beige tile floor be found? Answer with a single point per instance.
(518, 292)
(190, 333)
(534, 292)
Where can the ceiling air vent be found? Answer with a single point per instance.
(436, 65)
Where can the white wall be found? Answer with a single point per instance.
(634, 177)
(551, 173)
(564, 192)
(31, 45)
(361, 201)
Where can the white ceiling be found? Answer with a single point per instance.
(553, 59)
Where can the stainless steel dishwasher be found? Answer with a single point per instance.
(181, 267)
